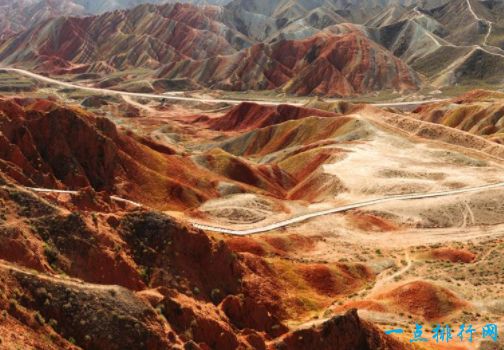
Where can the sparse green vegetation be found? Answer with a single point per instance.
(39, 318)
(51, 254)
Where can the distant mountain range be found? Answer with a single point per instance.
(18, 15)
(277, 44)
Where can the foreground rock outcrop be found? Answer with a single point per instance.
(342, 332)
(115, 279)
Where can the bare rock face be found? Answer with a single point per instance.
(342, 332)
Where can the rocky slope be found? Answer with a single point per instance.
(91, 273)
(325, 64)
(116, 40)
(16, 16)
(211, 47)
(90, 152)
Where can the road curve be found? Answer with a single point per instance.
(184, 98)
(132, 94)
(305, 217)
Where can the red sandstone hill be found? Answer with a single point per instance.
(332, 334)
(44, 144)
(49, 145)
(194, 44)
(247, 116)
(329, 64)
(422, 299)
(146, 36)
(479, 112)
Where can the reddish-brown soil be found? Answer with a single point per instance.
(453, 255)
(273, 245)
(321, 278)
(248, 116)
(370, 223)
(361, 305)
(246, 245)
(422, 299)
(332, 334)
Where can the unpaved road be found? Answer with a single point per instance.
(387, 279)
(270, 227)
(115, 198)
(302, 218)
(409, 104)
(305, 217)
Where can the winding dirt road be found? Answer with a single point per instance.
(266, 228)
(305, 217)
(302, 218)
